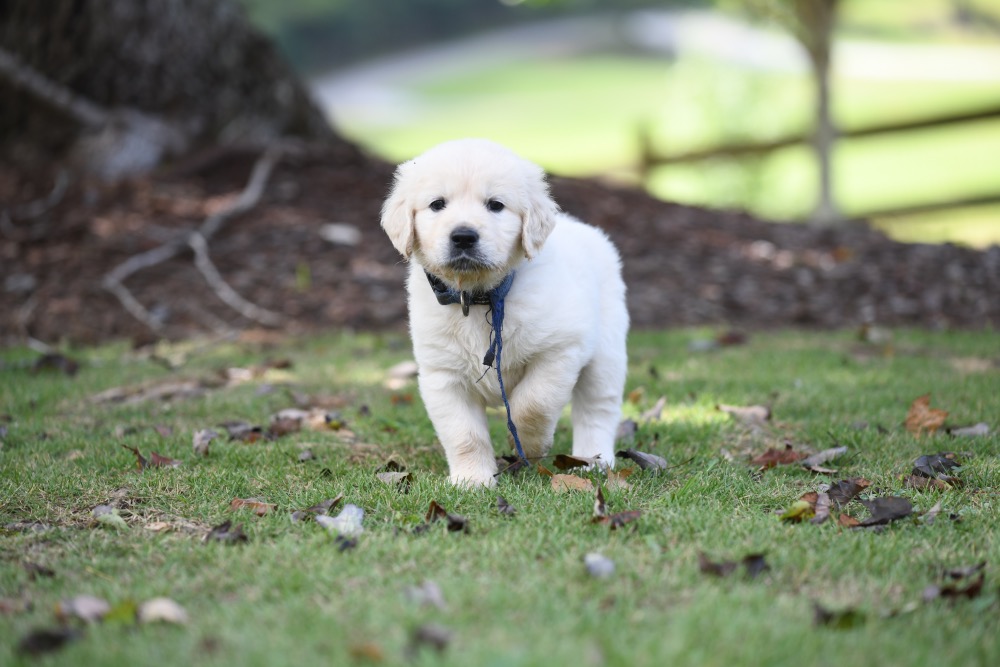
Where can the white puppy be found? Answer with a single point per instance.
(471, 214)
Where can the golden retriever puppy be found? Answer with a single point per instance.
(512, 304)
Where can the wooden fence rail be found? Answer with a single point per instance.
(650, 158)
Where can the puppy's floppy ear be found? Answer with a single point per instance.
(398, 214)
(539, 217)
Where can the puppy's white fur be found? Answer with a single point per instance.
(565, 324)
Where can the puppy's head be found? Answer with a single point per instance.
(469, 211)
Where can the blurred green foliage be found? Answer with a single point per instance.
(317, 34)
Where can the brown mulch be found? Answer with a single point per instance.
(683, 265)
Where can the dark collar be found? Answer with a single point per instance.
(447, 296)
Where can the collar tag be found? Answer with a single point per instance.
(464, 299)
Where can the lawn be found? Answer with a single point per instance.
(511, 589)
(582, 116)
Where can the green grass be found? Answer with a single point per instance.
(582, 116)
(515, 588)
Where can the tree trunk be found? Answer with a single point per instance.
(825, 136)
(815, 23)
(193, 67)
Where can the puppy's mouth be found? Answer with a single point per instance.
(467, 261)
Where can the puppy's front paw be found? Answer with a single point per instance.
(466, 481)
(472, 467)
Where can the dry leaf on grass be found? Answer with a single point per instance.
(937, 466)
(456, 523)
(613, 521)
(346, 524)
(46, 640)
(773, 457)
(975, 431)
(398, 480)
(966, 582)
(802, 509)
(566, 462)
(599, 565)
(162, 610)
(317, 509)
(201, 440)
(563, 483)
(617, 479)
(505, 507)
(754, 565)
(228, 533)
(86, 608)
(845, 490)
(157, 461)
(258, 506)
(654, 413)
(815, 461)
(430, 635)
(886, 509)
(922, 418)
(644, 460)
(921, 483)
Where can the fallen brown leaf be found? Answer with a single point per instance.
(505, 507)
(617, 478)
(822, 508)
(774, 457)
(845, 490)
(455, 522)
(201, 440)
(644, 460)
(157, 461)
(227, 532)
(816, 460)
(886, 509)
(922, 418)
(565, 462)
(162, 610)
(754, 565)
(140, 461)
(397, 480)
(564, 483)
(653, 414)
(922, 483)
(259, 507)
(45, 640)
(84, 607)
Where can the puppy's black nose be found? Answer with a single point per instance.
(464, 238)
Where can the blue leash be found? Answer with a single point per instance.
(497, 297)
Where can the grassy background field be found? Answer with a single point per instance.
(582, 117)
(514, 588)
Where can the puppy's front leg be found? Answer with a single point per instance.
(460, 422)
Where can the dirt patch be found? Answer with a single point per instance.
(683, 265)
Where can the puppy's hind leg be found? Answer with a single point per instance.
(597, 404)
(538, 401)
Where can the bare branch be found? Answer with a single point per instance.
(59, 96)
(114, 280)
(33, 210)
(223, 290)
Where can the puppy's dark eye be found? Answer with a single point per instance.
(437, 205)
(495, 205)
